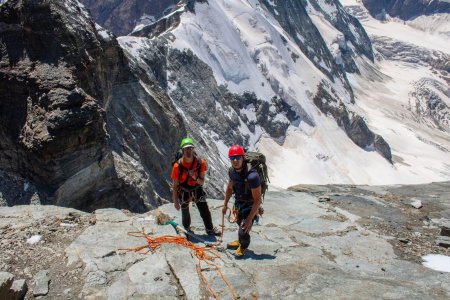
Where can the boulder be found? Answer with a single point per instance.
(6, 281)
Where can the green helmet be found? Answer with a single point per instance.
(186, 142)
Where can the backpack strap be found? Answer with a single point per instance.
(183, 169)
(248, 170)
(248, 197)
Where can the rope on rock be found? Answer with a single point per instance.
(205, 254)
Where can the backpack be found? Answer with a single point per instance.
(177, 159)
(256, 161)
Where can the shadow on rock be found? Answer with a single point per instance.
(252, 255)
(199, 238)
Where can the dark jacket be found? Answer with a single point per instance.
(243, 183)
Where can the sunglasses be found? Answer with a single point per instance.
(236, 157)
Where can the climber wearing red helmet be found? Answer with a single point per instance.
(245, 184)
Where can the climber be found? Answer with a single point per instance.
(188, 177)
(245, 184)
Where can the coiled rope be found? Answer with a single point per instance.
(203, 254)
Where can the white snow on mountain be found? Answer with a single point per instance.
(401, 31)
(382, 91)
(351, 2)
(434, 24)
(243, 45)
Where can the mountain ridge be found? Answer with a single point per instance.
(226, 73)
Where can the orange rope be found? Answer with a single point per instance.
(205, 254)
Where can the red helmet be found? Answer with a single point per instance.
(236, 150)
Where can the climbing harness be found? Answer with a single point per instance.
(188, 195)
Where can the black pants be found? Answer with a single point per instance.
(243, 213)
(197, 196)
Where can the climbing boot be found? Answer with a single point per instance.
(213, 231)
(240, 251)
(233, 244)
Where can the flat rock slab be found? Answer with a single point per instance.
(24, 215)
(41, 282)
(300, 239)
(110, 215)
(301, 249)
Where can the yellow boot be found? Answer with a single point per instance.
(240, 251)
(233, 244)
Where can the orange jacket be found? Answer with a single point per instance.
(185, 169)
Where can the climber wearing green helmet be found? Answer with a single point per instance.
(188, 177)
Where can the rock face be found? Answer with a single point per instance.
(121, 17)
(427, 100)
(125, 16)
(76, 124)
(353, 124)
(85, 125)
(406, 9)
(191, 84)
(295, 19)
(210, 110)
(312, 242)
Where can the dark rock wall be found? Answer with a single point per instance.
(406, 9)
(74, 119)
(121, 16)
(293, 17)
(39, 73)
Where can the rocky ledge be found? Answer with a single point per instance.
(319, 242)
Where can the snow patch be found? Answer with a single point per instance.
(350, 2)
(104, 34)
(68, 224)
(437, 262)
(34, 239)
(144, 21)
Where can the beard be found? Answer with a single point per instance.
(189, 154)
(237, 166)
